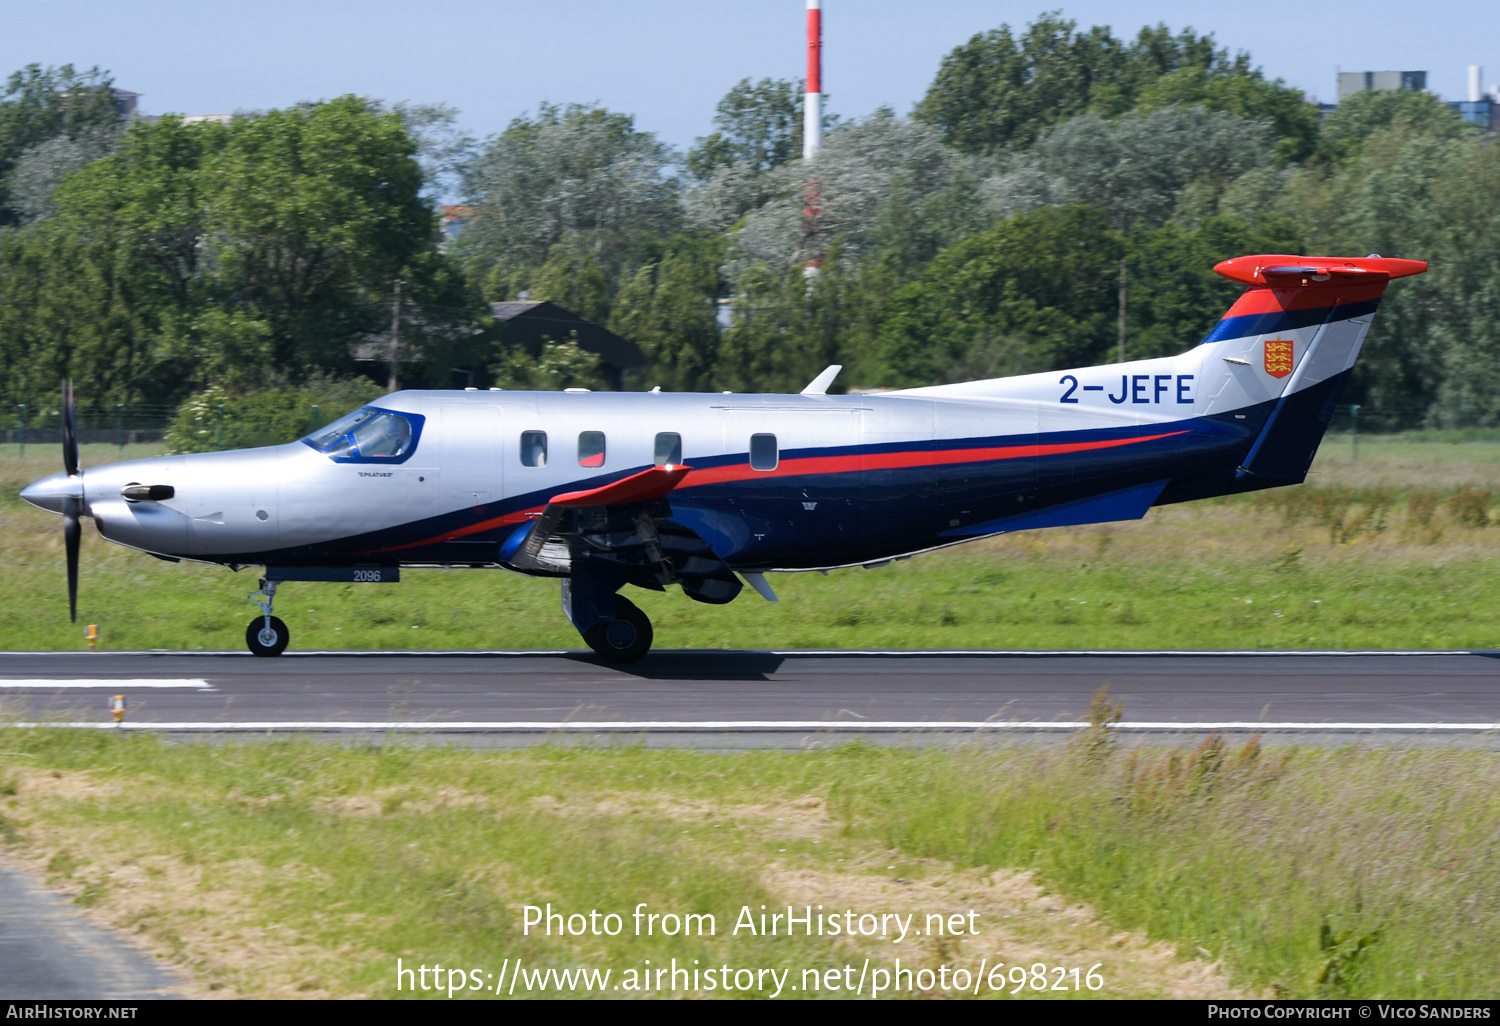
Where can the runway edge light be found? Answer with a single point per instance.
(117, 706)
(92, 635)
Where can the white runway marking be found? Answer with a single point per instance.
(47, 684)
(842, 726)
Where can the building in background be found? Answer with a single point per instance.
(1351, 82)
(453, 215)
(529, 324)
(1479, 108)
(125, 103)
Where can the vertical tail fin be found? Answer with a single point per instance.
(1293, 337)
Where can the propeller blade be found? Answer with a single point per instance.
(72, 532)
(70, 431)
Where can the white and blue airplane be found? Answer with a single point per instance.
(704, 491)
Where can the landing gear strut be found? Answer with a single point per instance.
(266, 635)
(625, 639)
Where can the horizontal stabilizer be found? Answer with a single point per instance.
(1282, 271)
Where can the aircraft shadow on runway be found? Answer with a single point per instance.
(669, 665)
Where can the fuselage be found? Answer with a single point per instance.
(777, 482)
(851, 479)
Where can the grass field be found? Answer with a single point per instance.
(1384, 552)
(300, 869)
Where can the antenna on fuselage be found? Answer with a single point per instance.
(819, 385)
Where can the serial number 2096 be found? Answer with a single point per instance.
(1040, 977)
(367, 576)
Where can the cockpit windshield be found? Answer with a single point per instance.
(368, 435)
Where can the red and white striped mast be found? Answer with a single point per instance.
(812, 115)
(812, 129)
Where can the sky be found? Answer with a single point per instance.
(666, 63)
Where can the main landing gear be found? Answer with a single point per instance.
(266, 635)
(625, 639)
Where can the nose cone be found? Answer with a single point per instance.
(49, 492)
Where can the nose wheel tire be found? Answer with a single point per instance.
(626, 638)
(264, 640)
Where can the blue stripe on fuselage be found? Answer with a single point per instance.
(1279, 321)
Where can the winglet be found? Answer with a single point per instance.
(820, 383)
(653, 483)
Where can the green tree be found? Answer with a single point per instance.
(860, 168)
(221, 418)
(578, 177)
(242, 256)
(573, 279)
(1409, 192)
(560, 364)
(1137, 170)
(66, 311)
(1033, 292)
(1292, 120)
(759, 125)
(1362, 115)
(41, 104)
(1175, 296)
(312, 213)
(788, 327)
(669, 307)
(1000, 91)
(40, 169)
(1464, 302)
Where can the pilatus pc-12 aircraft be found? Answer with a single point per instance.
(605, 489)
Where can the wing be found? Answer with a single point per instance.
(624, 530)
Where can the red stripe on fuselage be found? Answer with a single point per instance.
(459, 532)
(902, 460)
(822, 465)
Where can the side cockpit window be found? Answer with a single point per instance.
(384, 434)
(369, 435)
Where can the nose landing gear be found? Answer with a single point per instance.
(266, 635)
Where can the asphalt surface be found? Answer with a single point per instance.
(753, 690)
(50, 951)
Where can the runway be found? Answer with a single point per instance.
(750, 693)
(50, 951)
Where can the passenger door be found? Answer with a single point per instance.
(473, 455)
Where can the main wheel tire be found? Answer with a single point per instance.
(267, 641)
(626, 638)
